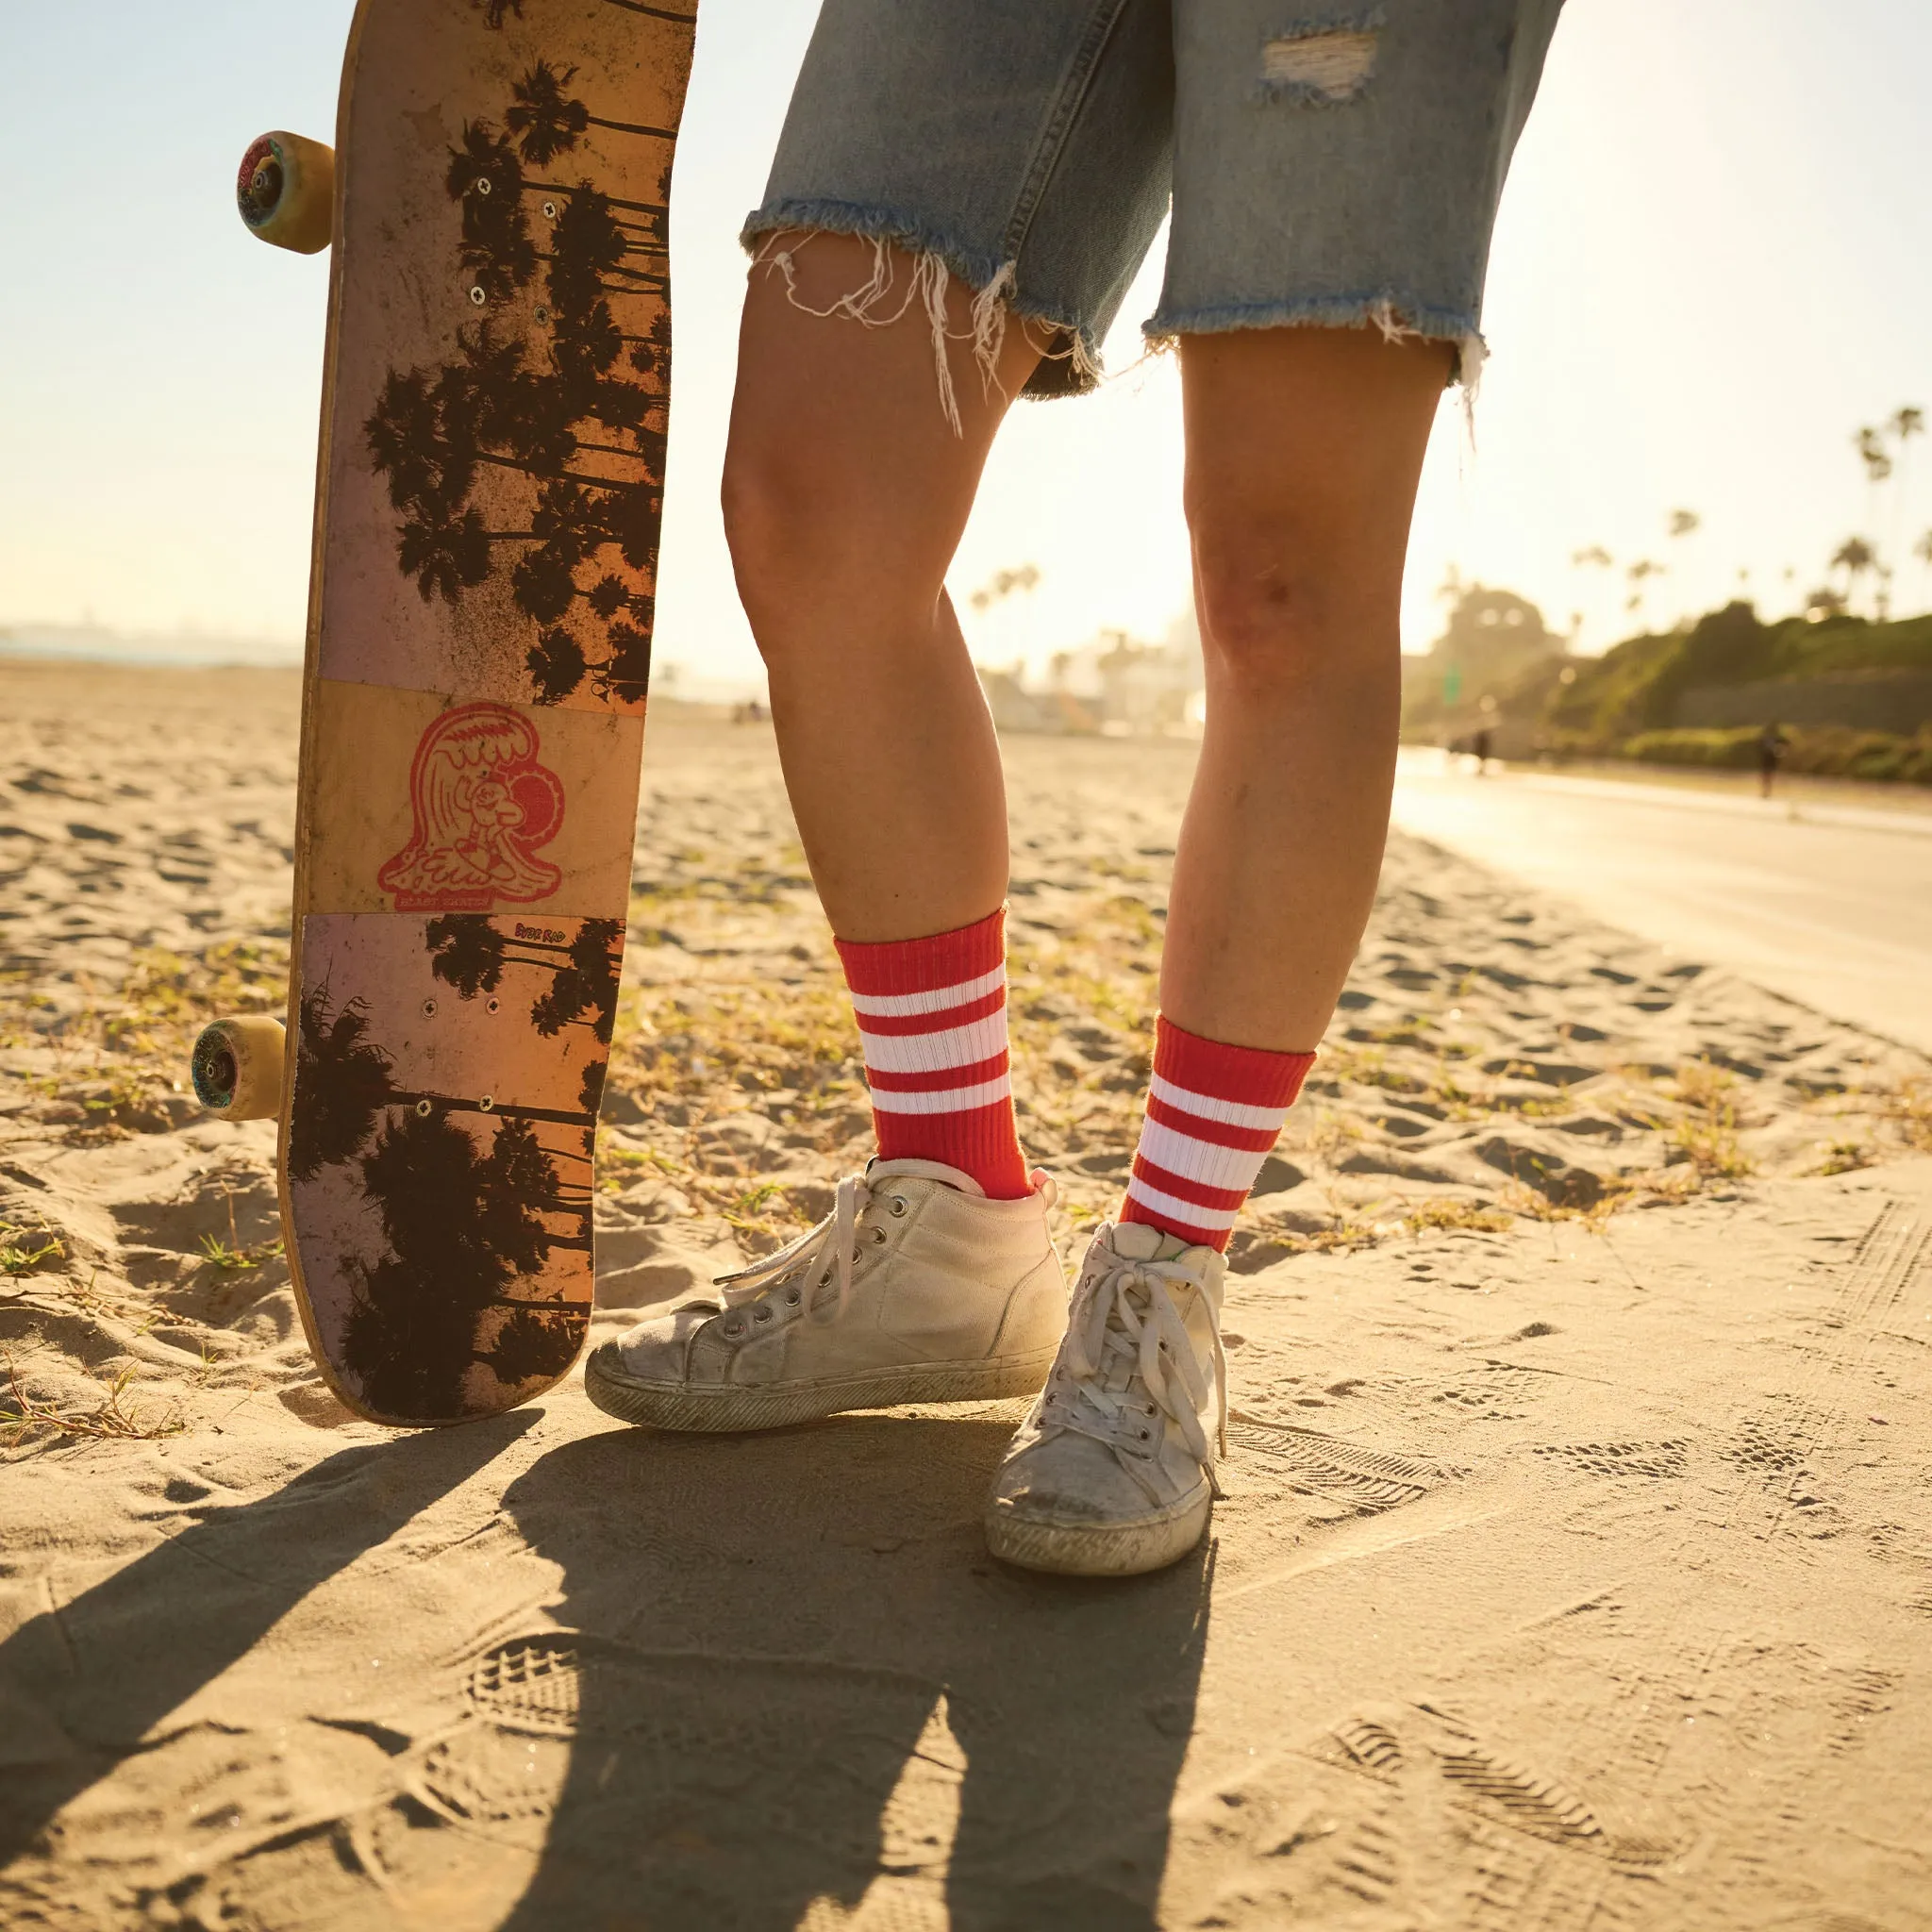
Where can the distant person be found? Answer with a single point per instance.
(1482, 753)
(960, 199)
(1771, 747)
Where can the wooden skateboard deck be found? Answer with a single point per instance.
(485, 550)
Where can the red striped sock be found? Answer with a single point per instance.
(932, 1019)
(1212, 1114)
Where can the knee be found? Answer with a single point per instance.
(1280, 615)
(771, 527)
(819, 552)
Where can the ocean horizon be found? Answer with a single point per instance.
(82, 643)
(94, 644)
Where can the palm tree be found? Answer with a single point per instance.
(468, 1218)
(344, 1080)
(1907, 421)
(446, 554)
(1592, 557)
(484, 179)
(1681, 523)
(470, 951)
(1003, 583)
(1870, 444)
(1855, 556)
(574, 399)
(585, 991)
(547, 122)
(1923, 551)
(556, 665)
(1640, 574)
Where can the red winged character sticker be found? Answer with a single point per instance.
(483, 806)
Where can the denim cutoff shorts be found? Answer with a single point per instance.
(1337, 168)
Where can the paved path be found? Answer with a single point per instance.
(1831, 908)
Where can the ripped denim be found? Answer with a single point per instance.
(1338, 169)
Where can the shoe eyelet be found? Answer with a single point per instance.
(734, 1328)
(898, 1204)
(792, 1299)
(826, 1279)
(764, 1312)
(878, 1237)
(1146, 1435)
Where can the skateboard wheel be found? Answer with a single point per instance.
(286, 191)
(238, 1067)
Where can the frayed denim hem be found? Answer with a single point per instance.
(1399, 322)
(876, 302)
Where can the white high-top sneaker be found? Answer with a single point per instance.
(1112, 1471)
(916, 1287)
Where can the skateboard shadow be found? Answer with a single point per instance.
(81, 1686)
(798, 1675)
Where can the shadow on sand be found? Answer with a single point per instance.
(795, 1669)
(82, 1686)
(782, 1674)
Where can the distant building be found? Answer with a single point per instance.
(1115, 684)
(1015, 708)
(1149, 689)
(1494, 653)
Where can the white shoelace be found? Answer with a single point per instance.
(835, 1236)
(1126, 1314)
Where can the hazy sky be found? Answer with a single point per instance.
(1714, 263)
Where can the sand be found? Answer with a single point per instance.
(1574, 1568)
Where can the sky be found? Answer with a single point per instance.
(1712, 266)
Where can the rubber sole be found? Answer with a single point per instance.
(727, 1409)
(1089, 1549)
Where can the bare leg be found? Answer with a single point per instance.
(845, 493)
(1303, 450)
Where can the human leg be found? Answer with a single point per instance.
(1325, 274)
(933, 1278)
(1011, 155)
(1334, 189)
(845, 492)
(1304, 448)
(845, 495)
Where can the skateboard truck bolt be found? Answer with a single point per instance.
(487, 1104)
(423, 1108)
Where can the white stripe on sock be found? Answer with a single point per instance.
(1229, 1113)
(903, 1006)
(1171, 1208)
(933, 1053)
(1199, 1160)
(942, 1099)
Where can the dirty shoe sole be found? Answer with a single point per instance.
(730, 1406)
(1097, 1549)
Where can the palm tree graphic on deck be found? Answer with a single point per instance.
(473, 1193)
(561, 381)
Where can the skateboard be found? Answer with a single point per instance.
(482, 582)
